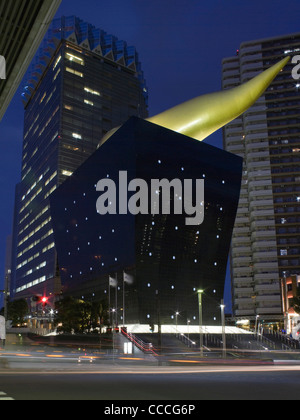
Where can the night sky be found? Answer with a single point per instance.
(181, 44)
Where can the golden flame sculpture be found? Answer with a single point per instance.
(202, 116)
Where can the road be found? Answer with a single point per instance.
(38, 373)
(137, 383)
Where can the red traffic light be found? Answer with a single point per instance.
(44, 300)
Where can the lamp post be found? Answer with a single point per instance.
(223, 328)
(176, 317)
(188, 325)
(200, 292)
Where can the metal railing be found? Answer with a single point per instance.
(138, 342)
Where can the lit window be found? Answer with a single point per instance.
(66, 173)
(77, 73)
(43, 97)
(56, 62)
(74, 58)
(89, 102)
(76, 136)
(92, 92)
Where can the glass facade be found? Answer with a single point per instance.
(168, 260)
(69, 106)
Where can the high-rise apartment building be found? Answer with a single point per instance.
(83, 83)
(266, 238)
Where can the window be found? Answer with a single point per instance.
(77, 73)
(92, 92)
(66, 173)
(75, 59)
(88, 102)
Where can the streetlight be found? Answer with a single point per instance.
(223, 328)
(200, 292)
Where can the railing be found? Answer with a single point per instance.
(186, 340)
(145, 347)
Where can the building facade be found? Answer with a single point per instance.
(266, 237)
(168, 260)
(82, 84)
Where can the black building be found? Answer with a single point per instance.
(168, 260)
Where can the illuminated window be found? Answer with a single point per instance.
(55, 77)
(92, 92)
(66, 173)
(75, 59)
(89, 102)
(56, 62)
(76, 136)
(43, 97)
(77, 73)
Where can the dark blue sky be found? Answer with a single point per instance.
(181, 44)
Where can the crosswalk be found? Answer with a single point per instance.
(5, 397)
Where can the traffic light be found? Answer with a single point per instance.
(44, 300)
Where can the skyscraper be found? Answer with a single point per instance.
(83, 83)
(266, 237)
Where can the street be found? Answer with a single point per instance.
(114, 382)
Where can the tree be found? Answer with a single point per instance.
(72, 314)
(17, 311)
(80, 316)
(99, 314)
